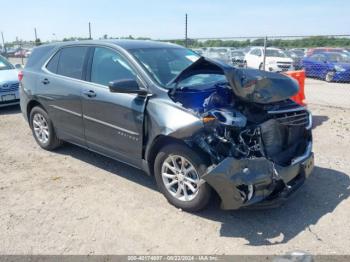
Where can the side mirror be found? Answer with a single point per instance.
(18, 66)
(126, 86)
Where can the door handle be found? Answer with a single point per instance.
(90, 93)
(45, 81)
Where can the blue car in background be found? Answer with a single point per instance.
(330, 66)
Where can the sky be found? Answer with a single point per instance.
(164, 19)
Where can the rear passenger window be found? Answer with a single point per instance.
(71, 61)
(53, 63)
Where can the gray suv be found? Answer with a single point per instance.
(199, 126)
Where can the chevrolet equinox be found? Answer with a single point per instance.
(198, 125)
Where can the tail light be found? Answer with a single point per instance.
(20, 75)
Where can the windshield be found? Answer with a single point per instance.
(237, 53)
(275, 53)
(4, 64)
(164, 64)
(338, 57)
(298, 53)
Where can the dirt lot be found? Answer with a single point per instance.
(73, 201)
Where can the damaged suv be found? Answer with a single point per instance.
(199, 126)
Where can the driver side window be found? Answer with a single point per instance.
(108, 65)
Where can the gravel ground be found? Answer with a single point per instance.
(73, 201)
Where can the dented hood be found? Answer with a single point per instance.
(250, 85)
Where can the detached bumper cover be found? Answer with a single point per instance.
(272, 183)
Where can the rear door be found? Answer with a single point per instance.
(60, 91)
(113, 121)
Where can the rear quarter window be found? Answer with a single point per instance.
(38, 56)
(53, 63)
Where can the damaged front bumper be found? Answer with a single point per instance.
(258, 182)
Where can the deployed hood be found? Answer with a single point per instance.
(250, 85)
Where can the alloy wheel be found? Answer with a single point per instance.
(329, 76)
(180, 178)
(41, 128)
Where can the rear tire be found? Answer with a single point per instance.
(43, 130)
(182, 188)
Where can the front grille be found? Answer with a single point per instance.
(297, 117)
(9, 87)
(284, 63)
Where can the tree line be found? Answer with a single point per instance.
(307, 42)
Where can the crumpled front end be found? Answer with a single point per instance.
(268, 161)
(258, 140)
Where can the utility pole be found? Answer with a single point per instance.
(90, 31)
(3, 43)
(186, 39)
(35, 34)
(265, 44)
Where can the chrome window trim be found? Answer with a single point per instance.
(144, 85)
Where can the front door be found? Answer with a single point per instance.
(113, 121)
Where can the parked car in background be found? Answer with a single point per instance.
(300, 50)
(276, 59)
(219, 53)
(238, 58)
(330, 66)
(28, 53)
(10, 52)
(317, 50)
(188, 120)
(198, 51)
(297, 56)
(9, 83)
(21, 52)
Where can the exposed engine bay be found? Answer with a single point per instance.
(278, 131)
(250, 127)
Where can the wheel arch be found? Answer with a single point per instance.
(157, 144)
(31, 104)
(162, 140)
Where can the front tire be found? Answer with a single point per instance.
(178, 170)
(43, 130)
(329, 76)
